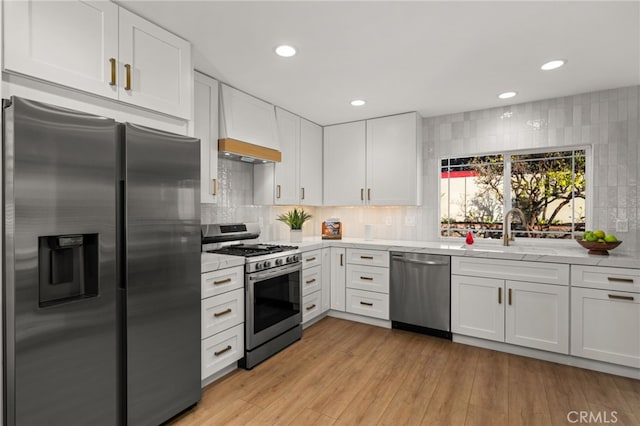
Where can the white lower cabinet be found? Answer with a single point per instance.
(605, 320)
(368, 303)
(326, 279)
(311, 280)
(222, 350)
(367, 283)
(338, 278)
(221, 312)
(314, 266)
(524, 313)
(311, 306)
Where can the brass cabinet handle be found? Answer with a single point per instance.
(302, 195)
(361, 194)
(509, 296)
(369, 194)
(228, 348)
(366, 257)
(308, 308)
(215, 186)
(312, 280)
(127, 85)
(366, 278)
(310, 259)
(615, 296)
(620, 280)
(278, 191)
(113, 71)
(228, 280)
(366, 303)
(341, 259)
(499, 295)
(225, 312)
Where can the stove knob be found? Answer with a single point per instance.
(295, 257)
(289, 259)
(278, 262)
(258, 265)
(267, 264)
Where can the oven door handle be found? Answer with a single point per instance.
(261, 276)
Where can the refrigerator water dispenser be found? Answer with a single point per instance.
(68, 268)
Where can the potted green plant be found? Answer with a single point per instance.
(295, 219)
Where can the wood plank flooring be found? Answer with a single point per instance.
(346, 373)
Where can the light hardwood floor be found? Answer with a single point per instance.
(346, 373)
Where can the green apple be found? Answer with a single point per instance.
(600, 234)
(610, 238)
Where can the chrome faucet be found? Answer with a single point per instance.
(506, 225)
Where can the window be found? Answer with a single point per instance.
(549, 187)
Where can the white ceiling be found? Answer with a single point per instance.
(431, 57)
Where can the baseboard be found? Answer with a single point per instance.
(314, 320)
(589, 364)
(359, 318)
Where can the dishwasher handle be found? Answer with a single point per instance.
(421, 262)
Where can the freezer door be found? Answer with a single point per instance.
(163, 274)
(59, 284)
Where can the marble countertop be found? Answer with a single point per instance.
(213, 262)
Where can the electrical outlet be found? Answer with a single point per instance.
(410, 221)
(622, 225)
(388, 221)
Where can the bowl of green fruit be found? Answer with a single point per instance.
(598, 242)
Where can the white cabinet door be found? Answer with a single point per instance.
(310, 163)
(287, 185)
(70, 43)
(206, 129)
(368, 278)
(605, 325)
(393, 159)
(344, 164)
(338, 278)
(155, 67)
(537, 316)
(368, 303)
(477, 307)
(247, 119)
(311, 280)
(326, 279)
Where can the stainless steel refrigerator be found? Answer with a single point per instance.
(101, 281)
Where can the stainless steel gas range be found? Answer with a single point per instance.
(273, 296)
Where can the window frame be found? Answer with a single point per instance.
(506, 154)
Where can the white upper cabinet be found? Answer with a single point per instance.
(155, 67)
(374, 162)
(297, 179)
(247, 119)
(90, 45)
(73, 43)
(394, 160)
(206, 129)
(310, 163)
(344, 164)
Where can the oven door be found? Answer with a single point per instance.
(273, 302)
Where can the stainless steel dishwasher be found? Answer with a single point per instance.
(421, 293)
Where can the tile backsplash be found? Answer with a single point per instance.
(605, 120)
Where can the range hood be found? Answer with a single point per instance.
(234, 149)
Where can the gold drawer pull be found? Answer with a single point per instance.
(369, 194)
(366, 278)
(278, 191)
(226, 280)
(310, 259)
(113, 71)
(302, 197)
(311, 307)
(361, 194)
(615, 296)
(341, 259)
(366, 257)
(227, 349)
(620, 280)
(499, 296)
(225, 312)
(509, 296)
(127, 85)
(215, 187)
(312, 280)
(366, 303)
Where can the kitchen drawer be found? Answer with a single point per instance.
(606, 328)
(311, 280)
(368, 303)
(617, 279)
(311, 258)
(221, 281)
(311, 306)
(221, 312)
(368, 257)
(516, 270)
(222, 350)
(368, 278)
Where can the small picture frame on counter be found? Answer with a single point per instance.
(332, 229)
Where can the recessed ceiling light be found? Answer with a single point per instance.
(552, 65)
(507, 95)
(358, 102)
(285, 51)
